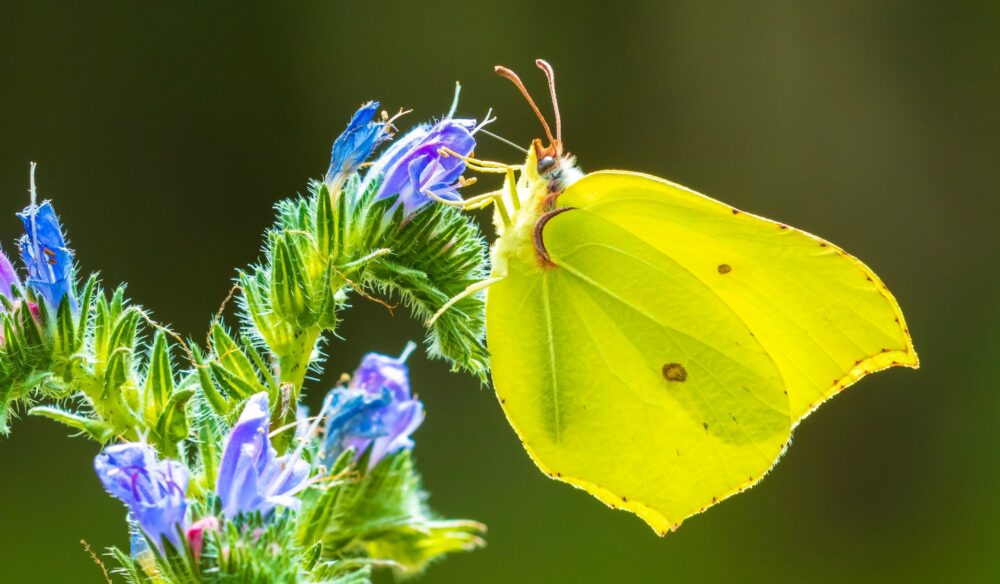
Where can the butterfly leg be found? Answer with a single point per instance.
(486, 166)
(472, 289)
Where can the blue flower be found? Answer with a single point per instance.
(154, 490)
(251, 478)
(9, 281)
(414, 165)
(44, 252)
(376, 410)
(356, 144)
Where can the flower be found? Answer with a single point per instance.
(9, 281)
(250, 477)
(414, 165)
(356, 144)
(152, 489)
(376, 410)
(44, 252)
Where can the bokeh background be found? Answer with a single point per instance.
(166, 131)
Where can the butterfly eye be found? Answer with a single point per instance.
(545, 164)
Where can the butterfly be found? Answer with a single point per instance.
(655, 347)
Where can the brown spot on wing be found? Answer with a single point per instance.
(675, 372)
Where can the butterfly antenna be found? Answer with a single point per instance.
(505, 72)
(550, 74)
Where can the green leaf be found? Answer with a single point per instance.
(262, 367)
(312, 555)
(230, 356)
(96, 429)
(86, 308)
(343, 572)
(233, 385)
(209, 442)
(129, 568)
(65, 328)
(125, 329)
(173, 425)
(384, 514)
(326, 223)
(330, 285)
(159, 377)
(289, 289)
(102, 329)
(436, 254)
(117, 373)
(215, 399)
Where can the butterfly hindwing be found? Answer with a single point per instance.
(628, 377)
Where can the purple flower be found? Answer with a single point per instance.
(44, 252)
(376, 410)
(414, 166)
(9, 281)
(152, 489)
(251, 478)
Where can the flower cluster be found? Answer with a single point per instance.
(220, 480)
(251, 478)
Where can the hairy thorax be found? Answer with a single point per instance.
(538, 189)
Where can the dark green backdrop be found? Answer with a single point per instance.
(165, 133)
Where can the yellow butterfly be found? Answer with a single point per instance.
(656, 347)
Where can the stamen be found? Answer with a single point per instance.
(32, 190)
(389, 121)
(407, 350)
(505, 72)
(297, 454)
(504, 140)
(34, 206)
(486, 121)
(454, 101)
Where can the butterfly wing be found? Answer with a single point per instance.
(662, 357)
(824, 317)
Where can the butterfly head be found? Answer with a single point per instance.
(549, 164)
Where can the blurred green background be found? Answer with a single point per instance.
(165, 132)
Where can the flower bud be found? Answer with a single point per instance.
(44, 252)
(355, 145)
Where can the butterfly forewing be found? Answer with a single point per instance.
(823, 316)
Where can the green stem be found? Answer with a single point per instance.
(293, 364)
